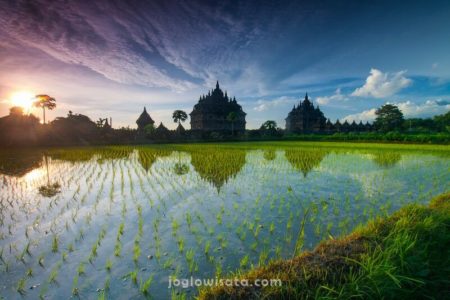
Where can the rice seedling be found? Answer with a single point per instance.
(233, 208)
(190, 258)
(81, 269)
(136, 251)
(20, 288)
(55, 242)
(144, 286)
(108, 265)
(207, 247)
(41, 260)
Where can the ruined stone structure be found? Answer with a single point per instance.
(216, 112)
(306, 118)
(144, 120)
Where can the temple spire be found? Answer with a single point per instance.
(306, 96)
(217, 84)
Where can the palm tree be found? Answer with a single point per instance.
(179, 116)
(232, 117)
(44, 101)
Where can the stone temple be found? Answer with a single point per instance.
(305, 118)
(216, 112)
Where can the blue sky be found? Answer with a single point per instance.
(111, 58)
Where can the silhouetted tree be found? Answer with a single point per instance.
(149, 130)
(16, 111)
(389, 118)
(44, 101)
(179, 116)
(269, 125)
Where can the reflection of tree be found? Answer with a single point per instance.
(148, 156)
(305, 160)
(269, 155)
(180, 168)
(50, 189)
(218, 165)
(19, 162)
(386, 159)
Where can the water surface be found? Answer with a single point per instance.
(85, 220)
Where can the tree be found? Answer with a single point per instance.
(389, 118)
(269, 128)
(269, 125)
(16, 111)
(232, 117)
(442, 122)
(179, 116)
(149, 130)
(44, 101)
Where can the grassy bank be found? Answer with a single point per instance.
(406, 255)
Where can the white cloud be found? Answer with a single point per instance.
(381, 85)
(263, 105)
(337, 96)
(367, 115)
(427, 109)
(409, 109)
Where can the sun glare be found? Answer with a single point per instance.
(23, 99)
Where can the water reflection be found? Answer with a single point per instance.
(305, 160)
(49, 189)
(386, 159)
(19, 162)
(148, 156)
(218, 166)
(269, 154)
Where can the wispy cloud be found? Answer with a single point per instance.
(264, 105)
(381, 85)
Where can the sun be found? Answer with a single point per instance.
(23, 99)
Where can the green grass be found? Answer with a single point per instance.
(402, 256)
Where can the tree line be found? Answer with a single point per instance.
(19, 129)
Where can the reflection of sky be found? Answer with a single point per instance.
(110, 58)
(344, 189)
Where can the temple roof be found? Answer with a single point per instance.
(144, 119)
(306, 107)
(217, 102)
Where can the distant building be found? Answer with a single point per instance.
(212, 112)
(305, 118)
(144, 120)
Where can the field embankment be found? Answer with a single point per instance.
(406, 255)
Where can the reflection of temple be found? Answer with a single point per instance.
(19, 162)
(387, 159)
(305, 160)
(148, 156)
(219, 165)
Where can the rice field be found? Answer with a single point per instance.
(115, 222)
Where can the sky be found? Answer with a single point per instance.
(110, 58)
